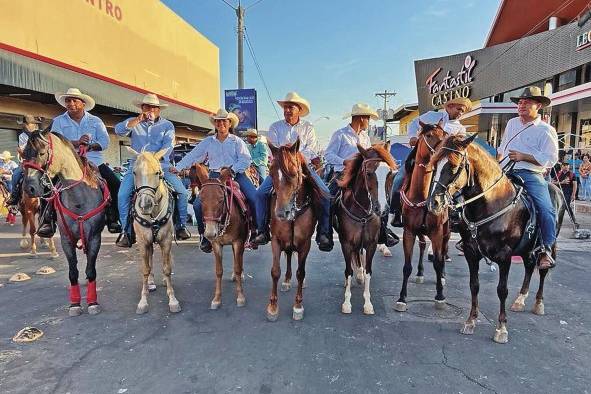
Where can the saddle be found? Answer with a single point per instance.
(531, 233)
(239, 197)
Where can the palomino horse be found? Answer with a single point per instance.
(358, 217)
(29, 208)
(418, 221)
(293, 219)
(494, 220)
(79, 200)
(225, 224)
(152, 212)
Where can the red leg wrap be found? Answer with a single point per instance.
(75, 294)
(91, 293)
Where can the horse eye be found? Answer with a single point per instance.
(133, 172)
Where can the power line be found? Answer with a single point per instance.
(253, 4)
(228, 4)
(260, 72)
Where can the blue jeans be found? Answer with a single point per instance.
(585, 186)
(247, 189)
(537, 189)
(397, 184)
(17, 175)
(126, 191)
(264, 192)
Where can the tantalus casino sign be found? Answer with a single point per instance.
(452, 85)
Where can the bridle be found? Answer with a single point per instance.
(299, 176)
(227, 205)
(157, 221)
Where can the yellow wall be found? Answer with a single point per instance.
(138, 42)
(405, 121)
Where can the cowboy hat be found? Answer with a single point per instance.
(150, 99)
(223, 114)
(460, 101)
(75, 93)
(6, 155)
(362, 109)
(28, 119)
(533, 93)
(293, 97)
(251, 133)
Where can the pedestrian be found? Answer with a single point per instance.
(150, 132)
(7, 167)
(565, 180)
(533, 146)
(584, 172)
(258, 152)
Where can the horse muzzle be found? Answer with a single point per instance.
(32, 188)
(285, 212)
(437, 203)
(145, 204)
(212, 230)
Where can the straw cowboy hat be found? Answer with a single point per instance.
(149, 99)
(6, 155)
(461, 101)
(28, 119)
(75, 93)
(533, 93)
(223, 114)
(293, 97)
(362, 109)
(251, 133)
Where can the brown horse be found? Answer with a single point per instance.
(357, 215)
(494, 220)
(225, 224)
(293, 219)
(417, 221)
(29, 208)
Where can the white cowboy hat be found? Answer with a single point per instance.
(150, 99)
(223, 114)
(6, 155)
(293, 97)
(362, 109)
(251, 133)
(75, 93)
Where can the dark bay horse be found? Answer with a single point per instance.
(417, 221)
(293, 219)
(494, 218)
(225, 224)
(357, 215)
(79, 200)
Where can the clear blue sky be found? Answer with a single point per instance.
(337, 52)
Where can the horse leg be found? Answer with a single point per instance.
(70, 252)
(538, 308)
(166, 247)
(150, 257)
(519, 303)
(408, 243)
(238, 249)
(420, 278)
(219, 272)
(286, 285)
(298, 307)
(438, 265)
(501, 333)
(146, 251)
(93, 247)
(349, 255)
(473, 264)
(360, 267)
(273, 306)
(367, 306)
(445, 249)
(24, 244)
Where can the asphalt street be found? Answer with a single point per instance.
(237, 350)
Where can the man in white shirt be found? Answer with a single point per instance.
(533, 145)
(284, 132)
(450, 116)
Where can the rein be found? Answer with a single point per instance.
(154, 223)
(295, 208)
(368, 213)
(227, 206)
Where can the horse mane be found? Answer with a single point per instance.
(285, 150)
(353, 166)
(91, 172)
(408, 163)
(477, 154)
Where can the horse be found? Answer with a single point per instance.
(79, 200)
(357, 214)
(293, 219)
(418, 221)
(494, 220)
(152, 212)
(226, 223)
(29, 208)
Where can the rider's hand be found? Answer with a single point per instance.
(516, 155)
(84, 140)
(173, 170)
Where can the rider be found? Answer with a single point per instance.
(225, 153)
(83, 129)
(150, 132)
(450, 116)
(284, 132)
(533, 145)
(7, 167)
(30, 124)
(258, 152)
(343, 146)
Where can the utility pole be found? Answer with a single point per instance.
(385, 95)
(240, 15)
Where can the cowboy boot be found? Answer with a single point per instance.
(182, 233)
(15, 196)
(387, 236)
(205, 244)
(397, 210)
(47, 220)
(123, 240)
(112, 216)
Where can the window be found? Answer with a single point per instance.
(567, 80)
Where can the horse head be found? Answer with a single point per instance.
(288, 177)
(37, 158)
(452, 171)
(215, 204)
(430, 136)
(147, 176)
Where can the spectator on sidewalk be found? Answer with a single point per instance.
(7, 167)
(565, 180)
(585, 172)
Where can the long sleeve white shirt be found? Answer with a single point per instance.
(343, 146)
(433, 117)
(232, 152)
(282, 133)
(535, 138)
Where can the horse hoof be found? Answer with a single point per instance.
(400, 306)
(174, 308)
(240, 302)
(346, 308)
(24, 244)
(94, 309)
(468, 328)
(75, 311)
(298, 313)
(272, 317)
(420, 279)
(32, 256)
(538, 309)
(440, 305)
(368, 309)
(386, 252)
(501, 335)
(215, 305)
(442, 281)
(359, 280)
(54, 256)
(518, 307)
(285, 286)
(141, 309)
(305, 284)
(151, 287)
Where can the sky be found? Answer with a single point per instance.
(336, 53)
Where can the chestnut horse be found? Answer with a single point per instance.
(357, 215)
(225, 224)
(29, 208)
(416, 219)
(293, 219)
(494, 219)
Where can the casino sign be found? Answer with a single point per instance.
(451, 86)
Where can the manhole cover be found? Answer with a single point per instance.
(426, 309)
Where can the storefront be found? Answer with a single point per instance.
(104, 48)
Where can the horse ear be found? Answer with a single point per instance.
(273, 149)
(386, 146)
(464, 143)
(160, 154)
(440, 124)
(202, 173)
(295, 147)
(362, 150)
(421, 124)
(132, 151)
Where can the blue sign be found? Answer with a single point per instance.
(243, 102)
